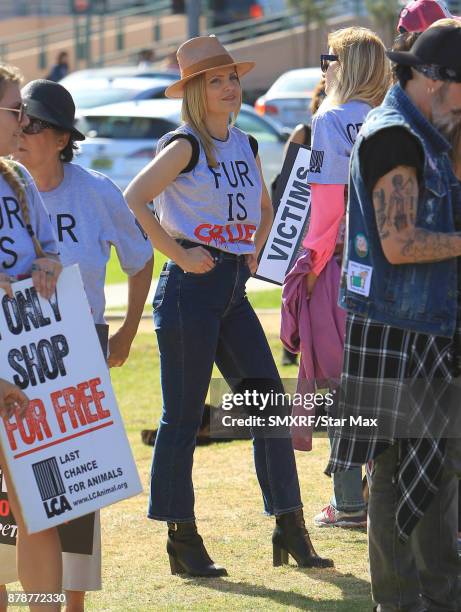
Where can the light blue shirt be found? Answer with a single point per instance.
(89, 215)
(334, 131)
(17, 250)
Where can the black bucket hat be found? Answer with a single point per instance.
(436, 53)
(51, 102)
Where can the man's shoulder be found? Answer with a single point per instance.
(384, 117)
(388, 126)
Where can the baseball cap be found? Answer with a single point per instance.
(436, 53)
(418, 15)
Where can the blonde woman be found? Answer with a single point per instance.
(214, 215)
(357, 77)
(27, 248)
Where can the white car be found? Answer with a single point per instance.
(113, 72)
(101, 92)
(121, 138)
(287, 101)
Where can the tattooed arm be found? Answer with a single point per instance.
(395, 198)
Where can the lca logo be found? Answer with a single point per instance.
(56, 506)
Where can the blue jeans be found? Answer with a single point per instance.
(347, 491)
(201, 319)
(347, 487)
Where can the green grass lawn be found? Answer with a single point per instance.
(136, 573)
(260, 300)
(114, 273)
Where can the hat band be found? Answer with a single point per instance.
(207, 64)
(439, 73)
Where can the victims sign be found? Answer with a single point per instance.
(292, 204)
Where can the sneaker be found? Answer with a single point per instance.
(330, 517)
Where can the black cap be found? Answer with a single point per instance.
(51, 102)
(438, 47)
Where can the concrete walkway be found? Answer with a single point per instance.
(117, 294)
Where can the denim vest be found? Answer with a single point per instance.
(419, 297)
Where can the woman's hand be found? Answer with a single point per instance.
(252, 262)
(45, 273)
(197, 260)
(119, 347)
(311, 279)
(12, 399)
(5, 284)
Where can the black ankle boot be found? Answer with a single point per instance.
(187, 552)
(291, 537)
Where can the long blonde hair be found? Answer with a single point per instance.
(194, 112)
(363, 70)
(8, 170)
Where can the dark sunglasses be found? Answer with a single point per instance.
(325, 60)
(21, 111)
(36, 126)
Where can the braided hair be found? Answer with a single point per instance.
(12, 175)
(10, 171)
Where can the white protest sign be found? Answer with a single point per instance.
(69, 454)
(287, 232)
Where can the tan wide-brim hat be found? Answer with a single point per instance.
(198, 55)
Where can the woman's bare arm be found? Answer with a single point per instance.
(146, 186)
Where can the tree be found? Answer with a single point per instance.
(385, 13)
(312, 11)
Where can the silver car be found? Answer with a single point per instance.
(287, 101)
(121, 138)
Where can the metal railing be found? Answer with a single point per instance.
(45, 8)
(241, 30)
(87, 33)
(83, 30)
(231, 33)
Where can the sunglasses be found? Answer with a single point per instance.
(325, 60)
(21, 110)
(36, 126)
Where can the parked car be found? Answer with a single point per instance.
(121, 138)
(101, 91)
(112, 72)
(287, 101)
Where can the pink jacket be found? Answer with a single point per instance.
(315, 328)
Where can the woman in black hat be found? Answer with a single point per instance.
(90, 215)
(27, 248)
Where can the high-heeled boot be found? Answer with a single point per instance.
(188, 554)
(291, 537)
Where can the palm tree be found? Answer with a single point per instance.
(385, 14)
